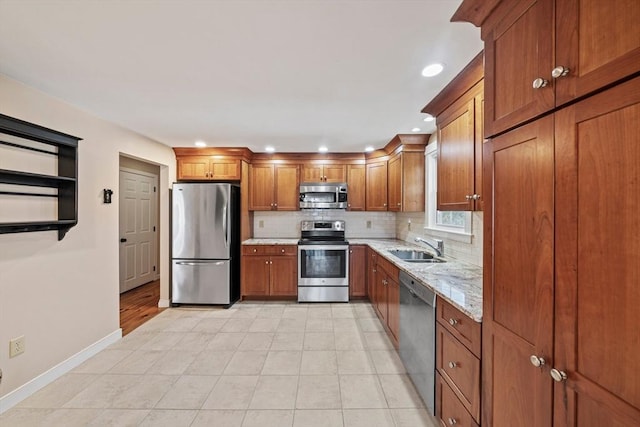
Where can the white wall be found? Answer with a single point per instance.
(63, 295)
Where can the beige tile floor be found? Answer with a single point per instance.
(255, 364)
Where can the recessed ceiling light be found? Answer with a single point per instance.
(415, 130)
(200, 144)
(369, 149)
(269, 149)
(432, 70)
(323, 149)
(429, 118)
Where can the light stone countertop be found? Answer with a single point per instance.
(457, 282)
(271, 242)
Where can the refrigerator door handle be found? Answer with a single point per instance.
(227, 229)
(200, 262)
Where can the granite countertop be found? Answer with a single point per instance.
(457, 282)
(271, 242)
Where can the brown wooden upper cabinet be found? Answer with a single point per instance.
(273, 187)
(208, 167)
(356, 179)
(312, 172)
(458, 109)
(376, 199)
(536, 63)
(406, 181)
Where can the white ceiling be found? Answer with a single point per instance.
(293, 74)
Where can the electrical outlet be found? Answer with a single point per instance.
(368, 224)
(16, 346)
(261, 224)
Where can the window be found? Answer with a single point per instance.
(450, 222)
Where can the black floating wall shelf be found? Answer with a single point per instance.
(66, 181)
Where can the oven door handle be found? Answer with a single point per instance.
(340, 247)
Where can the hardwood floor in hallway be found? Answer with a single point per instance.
(139, 305)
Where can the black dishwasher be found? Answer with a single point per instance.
(418, 336)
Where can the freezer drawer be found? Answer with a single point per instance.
(201, 282)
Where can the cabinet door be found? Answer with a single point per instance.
(357, 271)
(381, 295)
(311, 173)
(518, 278)
(255, 275)
(395, 183)
(597, 268)
(376, 199)
(371, 275)
(356, 187)
(412, 183)
(261, 178)
(335, 173)
(227, 169)
(193, 167)
(456, 153)
(393, 306)
(518, 50)
(599, 42)
(284, 276)
(286, 187)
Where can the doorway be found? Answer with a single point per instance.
(139, 232)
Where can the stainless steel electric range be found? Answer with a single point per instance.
(323, 262)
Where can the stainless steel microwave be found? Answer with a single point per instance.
(322, 195)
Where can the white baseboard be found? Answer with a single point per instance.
(16, 396)
(163, 303)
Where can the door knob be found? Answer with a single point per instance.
(559, 71)
(123, 240)
(558, 376)
(536, 361)
(540, 83)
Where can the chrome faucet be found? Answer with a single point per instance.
(439, 249)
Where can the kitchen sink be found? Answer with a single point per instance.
(415, 256)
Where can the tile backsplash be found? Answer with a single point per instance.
(357, 224)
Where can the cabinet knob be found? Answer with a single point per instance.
(270, 262)
(255, 250)
(266, 262)
(275, 205)
(348, 204)
(282, 250)
(558, 376)
(452, 421)
(350, 252)
(559, 71)
(453, 322)
(536, 361)
(468, 197)
(540, 83)
(384, 204)
(453, 365)
(476, 197)
(398, 204)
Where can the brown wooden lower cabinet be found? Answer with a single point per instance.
(458, 344)
(269, 270)
(386, 300)
(357, 271)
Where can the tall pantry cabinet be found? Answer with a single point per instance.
(562, 224)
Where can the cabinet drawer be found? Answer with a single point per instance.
(460, 368)
(460, 325)
(254, 249)
(388, 267)
(282, 250)
(449, 409)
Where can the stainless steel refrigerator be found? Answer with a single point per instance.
(205, 219)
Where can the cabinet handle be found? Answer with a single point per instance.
(452, 421)
(558, 376)
(559, 71)
(453, 322)
(537, 361)
(539, 83)
(453, 365)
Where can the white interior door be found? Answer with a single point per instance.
(137, 229)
